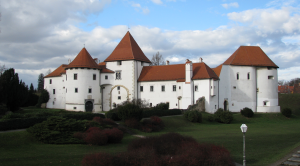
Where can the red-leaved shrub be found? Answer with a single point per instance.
(114, 135)
(132, 123)
(98, 119)
(95, 136)
(169, 150)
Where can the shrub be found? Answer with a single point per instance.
(211, 118)
(44, 98)
(57, 130)
(152, 124)
(287, 112)
(157, 112)
(81, 115)
(19, 123)
(165, 150)
(114, 135)
(218, 114)
(98, 119)
(130, 110)
(95, 136)
(112, 114)
(162, 106)
(193, 116)
(108, 121)
(247, 112)
(132, 123)
(226, 117)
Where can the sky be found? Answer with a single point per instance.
(38, 35)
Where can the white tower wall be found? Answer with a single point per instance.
(58, 99)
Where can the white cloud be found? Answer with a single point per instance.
(228, 5)
(139, 8)
(157, 2)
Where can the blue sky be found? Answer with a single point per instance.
(37, 36)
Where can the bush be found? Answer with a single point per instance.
(114, 135)
(57, 130)
(152, 124)
(226, 117)
(95, 136)
(162, 106)
(81, 115)
(130, 110)
(193, 116)
(132, 123)
(247, 112)
(157, 112)
(165, 150)
(44, 98)
(222, 116)
(112, 114)
(211, 118)
(287, 112)
(19, 123)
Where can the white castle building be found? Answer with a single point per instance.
(248, 78)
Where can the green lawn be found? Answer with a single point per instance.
(269, 138)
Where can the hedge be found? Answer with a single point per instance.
(157, 112)
(20, 123)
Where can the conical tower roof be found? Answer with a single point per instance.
(127, 49)
(250, 56)
(84, 59)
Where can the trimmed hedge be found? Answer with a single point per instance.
(247, 112)
(287, 112)
(20, 123)
(157, 112)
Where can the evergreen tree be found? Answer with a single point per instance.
(40, 82)
(31, 89)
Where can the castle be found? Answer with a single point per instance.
(248, 78)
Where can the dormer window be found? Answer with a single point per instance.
(119, 62)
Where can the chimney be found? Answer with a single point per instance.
(96, 60)
(167, 62)
(200, 60)
(69, 61)
(188, 71)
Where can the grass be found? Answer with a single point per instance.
(269, 138)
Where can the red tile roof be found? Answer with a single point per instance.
(57, 72)
(285, 89)
(250, 56)
(176, 72)
(217, 70)
(127, 49)
(103, 68)
(83, 59)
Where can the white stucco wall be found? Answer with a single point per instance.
(158, 96)
(58, 99)
(267, 84)
(76, 101)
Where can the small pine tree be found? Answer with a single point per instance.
(40, 82)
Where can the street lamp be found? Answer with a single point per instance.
(244, 130)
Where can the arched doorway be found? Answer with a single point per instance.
(225, 105)
(89, 106)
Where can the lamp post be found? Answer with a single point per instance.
(244, 130)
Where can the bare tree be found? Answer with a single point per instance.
(2, 69)
(157, 59)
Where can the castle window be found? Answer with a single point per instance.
(66, 90)
(118, 75)
(215, 106)
(237, 76)
(66, 78)
(162, 88)
(196, 87)
(94, 76)
(142, 63)
(50, 81)
(118, 88)
(141, 88)
(106, 77)
(119, 97)
(150, 104)
(53, 91)
(248, 76)
(119, 62)
(76, 90)
(234, 87)
(90, 90)
(74, 108)
(75, 76)
(266, 103)
(179, 87)
(270, 77)
(151, 88)
(174, 88)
